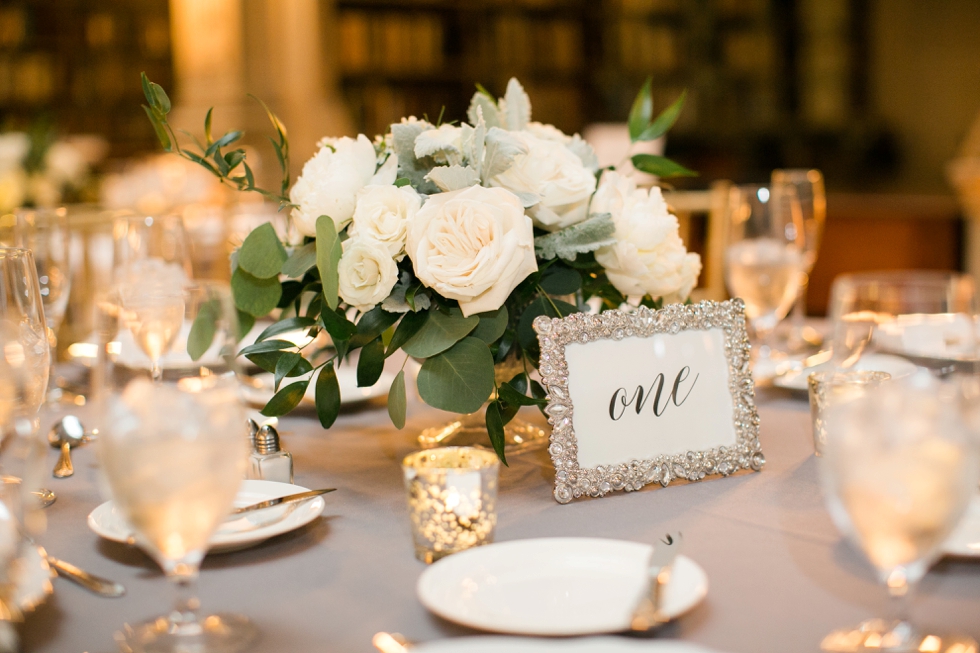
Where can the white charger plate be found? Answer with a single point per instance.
(894, 365)
(965, 540)
(553, 586)
(578, 645)
(245, 531)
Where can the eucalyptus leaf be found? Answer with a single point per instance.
(203, 329)
(285, 400)
(642, 110)
(495, 428)
(328, 252)
(327, 395)
(559, 280)
(459, 379)
(300, 261)
(245, 323)
(261, 254)
(439, 333)
(397, 401)
(286, 363)
(371, 325)
(660, 166)
(492, 325)
(285, 326)
(664, 121)
(255, 296)
(370, 363)
(407, 327)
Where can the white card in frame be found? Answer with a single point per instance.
(648, 397)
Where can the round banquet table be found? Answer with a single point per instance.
(780, 576)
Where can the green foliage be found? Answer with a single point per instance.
(439, 333)
(327, 395)
(660, 166)
(459, 379)
(586, 236)
(397, 401)
(328, 252)
(203, 329)
(371, 363)
(255, 296)
(495, 427)
(543, 305)
(560, 280)
(300, 261)
(492, 325)
(285, 400)
(642, 110)
(285, 326)
(407, 327)
(664, 121)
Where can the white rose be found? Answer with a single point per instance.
(330, 181)
(473, 245)
(383, 214)
(553, 172)
(649, 257)
(548, 132)
(367, 273)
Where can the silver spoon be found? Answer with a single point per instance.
(67, 432)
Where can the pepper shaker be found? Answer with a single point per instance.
(268, 461)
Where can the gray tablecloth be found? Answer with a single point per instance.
(780, 576)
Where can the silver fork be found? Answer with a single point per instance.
(648, 613)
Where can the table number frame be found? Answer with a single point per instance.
(573, 481)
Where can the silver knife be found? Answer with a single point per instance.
(289, 498)
(648, 613)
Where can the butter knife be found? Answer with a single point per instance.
(289, 498)
(648, 613)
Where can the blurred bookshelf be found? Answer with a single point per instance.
(76, 63)
(770, 82)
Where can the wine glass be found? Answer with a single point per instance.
(764, 259)
(154, 316)
(926, 317)
(810, 192)
(45, 232)
(148, 245)
(900, 466)
(22, 313)
(174, 455)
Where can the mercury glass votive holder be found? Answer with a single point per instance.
(830, 388)
(452, 499)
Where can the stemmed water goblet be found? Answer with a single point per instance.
(764, 260)
(900, 466)
(146, 245)
(174, 455)
(809, 187)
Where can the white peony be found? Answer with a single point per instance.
(473, 245)
(367, 273)
(649, 257)
(383, 214)
(552, 172)
(330, 181)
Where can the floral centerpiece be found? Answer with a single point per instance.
(444, 241)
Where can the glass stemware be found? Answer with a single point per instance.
(809, 187)
(45, 232)
(924, 316)
(173, 452)
(900, 466)
(22, 314)
(148, 245)
(764, 259)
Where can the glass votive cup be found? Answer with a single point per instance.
(830, 388)
(452, 499)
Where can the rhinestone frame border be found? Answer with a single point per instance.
(554, 334)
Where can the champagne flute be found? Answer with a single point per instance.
(764, 260)
(173, 453)
(810, 192)
(900, 466)
(45, 232)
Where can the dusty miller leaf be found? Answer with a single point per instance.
(409, 166)
(580, 148)
(450, 178)
(517, 112)
(483, 104)
(474, 141)
(502, 147)
(583, 237)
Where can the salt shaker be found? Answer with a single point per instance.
(268, 461)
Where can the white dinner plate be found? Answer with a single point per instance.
(536, 645)
(245, 531)
(553, 586)
(965, 540)
(894, 365)
(346, 377)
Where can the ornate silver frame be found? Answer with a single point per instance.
(572, 481)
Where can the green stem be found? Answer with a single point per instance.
(548, 297)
